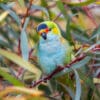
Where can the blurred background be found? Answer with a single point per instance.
(78, 21)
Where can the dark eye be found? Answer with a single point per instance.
(49, 29)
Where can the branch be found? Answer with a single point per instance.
(59, 69)
(27, 12)
(22, 24)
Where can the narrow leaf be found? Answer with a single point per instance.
(3, 15)
(10, 78)
(21, 2)
(11, 13)
(24, 42)
(61, 7)
(95, 33)
(35, 7)
(17, 89)
(18, 60)
(71, 93)
(78, 86)
(75, 66)
(67, 18)
(87, 2)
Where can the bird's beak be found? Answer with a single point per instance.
(44, 36)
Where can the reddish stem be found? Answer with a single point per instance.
(22, 24)
(90, 16)
(19, 49)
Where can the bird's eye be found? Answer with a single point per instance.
(49, 29)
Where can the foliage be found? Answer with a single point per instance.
(19, 71)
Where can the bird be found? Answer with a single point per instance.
(52, 49)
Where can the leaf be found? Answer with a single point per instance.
(4, 1)
(32, 92)
(67, 18)
(81, 37)
(22, 63)
(11, 13)
(81, 63)
(61, 7)
(91, 47)
(21, 2)
(3, 15)
(10, 78)
(5, 45)
(95, 33)
(24, 42)
(71, 93)
(68, 33)
(87, 2)
(78, 86)
(35, 7)
(75, 66)
(24, 45)
(44, 4)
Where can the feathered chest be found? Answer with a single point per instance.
(50, 53)
(53, 47)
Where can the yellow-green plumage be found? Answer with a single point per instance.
(52, 49)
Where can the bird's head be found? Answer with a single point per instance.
(47, 28)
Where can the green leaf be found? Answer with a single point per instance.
(3, 15)
(11, 13)
(10, 78)
(62, 9)
(69, 90)
(91, 47)
(22, 63)
(95, 33)
(75, 66)
(44, 3)
(68, 33)
(81, 37)
(78, 86)
(35, 7)
(85, 3)
(21, 2)
(81, 63)
(4, 1)
(5, 44)
(24, 42)
(67, 18)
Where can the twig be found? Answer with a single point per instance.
(60, 68)
(27, 12)
(22, 24)
(57, 16)
(89, 14)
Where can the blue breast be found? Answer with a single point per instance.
(51, 53)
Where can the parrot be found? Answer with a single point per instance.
(53, 49)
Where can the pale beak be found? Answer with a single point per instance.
(44, 36)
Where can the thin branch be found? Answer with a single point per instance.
(59, 69)
(90, 15)
(22, 24)
(27, 12)
(21, 71)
